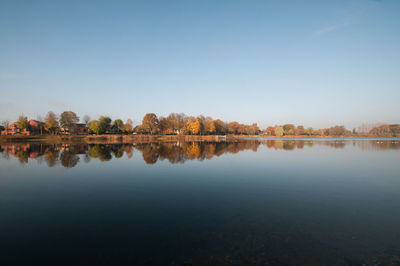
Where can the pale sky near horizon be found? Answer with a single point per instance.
(315, 63)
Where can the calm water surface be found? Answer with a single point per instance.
(256, 202)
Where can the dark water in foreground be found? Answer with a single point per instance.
(258, 202)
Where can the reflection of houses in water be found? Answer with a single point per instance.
(15, 149)
(22, 151)
(75, 148)
(25, 151)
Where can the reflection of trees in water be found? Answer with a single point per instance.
(172, 152)
(175, 152)
(129, 151)
(337, 144)
(289, 145)
(50, 153)
(69, 159)
(299, 144)
(150, 153)
(104, 152)
(101, 152)
(86, 158)
(51, 156)
(377, 145)
(23, 156)
(179, 152)
(285, 144)
(4, 154)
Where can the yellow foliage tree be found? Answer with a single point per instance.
(192, 126)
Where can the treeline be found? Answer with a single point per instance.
(292, 130)
(179, 123)
(173, 124)
(189, 125)
(386, 131)
(335, 131)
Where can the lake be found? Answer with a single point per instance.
(250, 202)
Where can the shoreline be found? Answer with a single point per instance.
(116, 138)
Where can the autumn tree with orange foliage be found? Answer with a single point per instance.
(192, 126)
(150, 123)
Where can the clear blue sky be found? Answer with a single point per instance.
(315, 63)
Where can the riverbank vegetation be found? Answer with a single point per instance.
(182, 125)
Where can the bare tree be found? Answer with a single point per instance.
(86, 119)
(5, 123)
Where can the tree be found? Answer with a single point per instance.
(278, 131)
(202, 120)
(270, 131)
(299, 130)
(241, 129)
(309, 131)
(119, 124)
(320, 132)
(209, 126)
(95, 127)
(129, 125)
(5, 123)
(68, 119)
(22, 122)
(165, 126)
(233, 127)
(253, 129)
(173, 123)
(220, 127)
(288, 129)
(180, 120)
(192, 126)
(381, 131)
(51, 122)
(336, 131)
(150, 123)
(86, 119)
(395, 130)
(105, 123)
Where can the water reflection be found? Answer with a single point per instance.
(69, 155)
(262, 202)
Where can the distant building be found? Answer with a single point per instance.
(77, 129)
(34, 127)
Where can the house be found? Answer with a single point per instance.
(34, 127)
(12, 130)
(77, 129)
